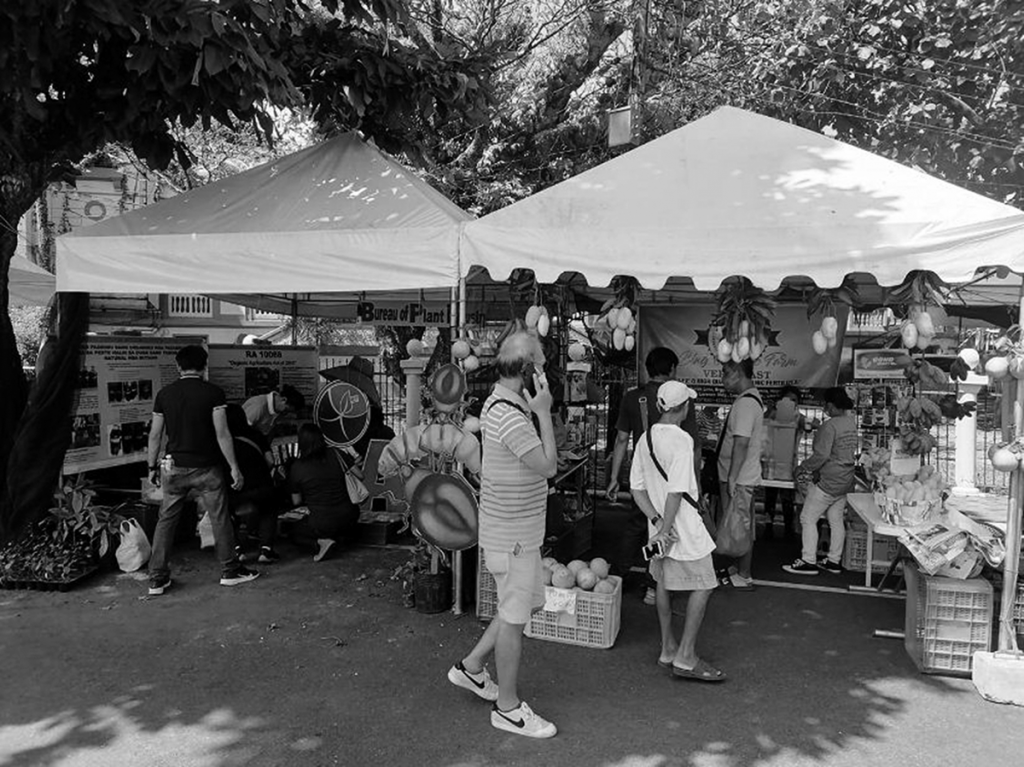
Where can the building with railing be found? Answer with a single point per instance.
(98, 194)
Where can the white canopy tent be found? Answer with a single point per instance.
(736, 193)
(739, 193)
(29, 285)
(339, 216)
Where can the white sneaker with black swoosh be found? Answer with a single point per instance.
(479, 683)
(522, 721)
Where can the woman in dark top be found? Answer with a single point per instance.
(252, 452)
(317, 481)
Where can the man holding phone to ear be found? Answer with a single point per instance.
(517, 464)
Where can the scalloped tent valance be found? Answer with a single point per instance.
(739, 193)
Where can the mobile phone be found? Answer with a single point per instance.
(653, 551)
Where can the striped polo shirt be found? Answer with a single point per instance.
(513, 497)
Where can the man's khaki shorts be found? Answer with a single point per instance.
(520, 584)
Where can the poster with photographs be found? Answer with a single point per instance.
(246, 371)
(117, 380)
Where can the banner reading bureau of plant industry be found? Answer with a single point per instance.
(117, 381)
(788, 359)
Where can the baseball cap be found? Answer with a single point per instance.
(672, 394)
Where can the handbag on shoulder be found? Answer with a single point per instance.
(357, 490)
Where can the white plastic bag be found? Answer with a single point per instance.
(133, 551)
(205, 530)
(357, 490)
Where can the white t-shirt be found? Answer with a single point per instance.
(674, 448)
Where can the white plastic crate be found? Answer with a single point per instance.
(486, 590)
(594, 624)
(855, 551)
(947, 621)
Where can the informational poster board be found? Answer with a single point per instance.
(789, 359)
(118, 379)
(244, 371)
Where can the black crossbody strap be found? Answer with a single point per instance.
(507, 402)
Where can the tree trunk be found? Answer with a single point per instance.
(44, 432)
(17, 191)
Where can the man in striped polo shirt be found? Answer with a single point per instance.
(517, 463)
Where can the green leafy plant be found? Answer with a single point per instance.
(67, 542)
(78, 520)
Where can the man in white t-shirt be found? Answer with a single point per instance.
(665, 488)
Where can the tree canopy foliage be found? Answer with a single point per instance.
(494, 99)
(935, 84)
(76, 75)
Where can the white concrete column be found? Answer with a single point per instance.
(966, 438)
(413, 369)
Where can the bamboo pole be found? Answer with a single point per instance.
(1011, 565)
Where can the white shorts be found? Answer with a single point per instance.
(677, 575)
(519, 581)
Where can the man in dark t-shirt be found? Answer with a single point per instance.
(198, 439)
(661, 366)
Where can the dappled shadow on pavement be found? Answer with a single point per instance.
(322, 665)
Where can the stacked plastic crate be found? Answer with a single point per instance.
(947, 621)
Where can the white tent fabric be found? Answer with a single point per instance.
(739, 193)
(29, 285)
(339, 216)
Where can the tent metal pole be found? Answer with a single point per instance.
(1011, 564)
(295, 319)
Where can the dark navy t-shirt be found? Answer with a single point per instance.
(187, 406)
(320, 482)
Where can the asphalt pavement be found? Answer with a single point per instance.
(322, 664)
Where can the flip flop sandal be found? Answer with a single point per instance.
(664, 663)
(726, 582)
(702, 672)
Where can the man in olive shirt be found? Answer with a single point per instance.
(194, 412)
(739, 462)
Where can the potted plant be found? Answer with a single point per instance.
(65, 546)
(426, 579)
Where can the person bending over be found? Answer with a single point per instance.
(263, 410)
(259, 495)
